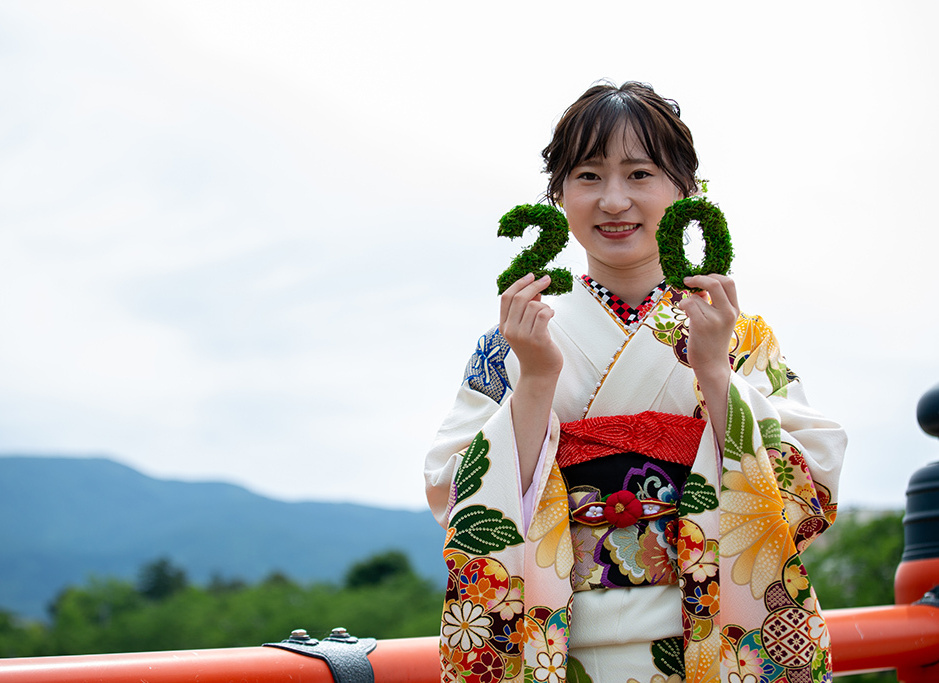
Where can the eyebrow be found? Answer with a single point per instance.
(599, 160)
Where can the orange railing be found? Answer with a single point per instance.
(408, 660)
(902, 637)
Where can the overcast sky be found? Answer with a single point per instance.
(256, 241)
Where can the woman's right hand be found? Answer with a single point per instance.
(523, 322)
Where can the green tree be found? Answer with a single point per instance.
(853, 564)
(160, 579)
(20, 638)
(82, 617)
(377, 569)
(218, 584)
(163, 612)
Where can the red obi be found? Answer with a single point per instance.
(661, 436)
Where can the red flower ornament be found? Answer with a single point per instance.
(622, 509)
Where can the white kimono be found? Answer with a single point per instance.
(735, 600)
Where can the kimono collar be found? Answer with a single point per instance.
(624, 311)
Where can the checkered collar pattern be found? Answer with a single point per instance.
(623, 310)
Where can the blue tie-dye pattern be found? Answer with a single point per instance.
(485, 371)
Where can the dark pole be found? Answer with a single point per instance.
(918, 572)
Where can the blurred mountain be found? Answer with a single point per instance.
(65, 519)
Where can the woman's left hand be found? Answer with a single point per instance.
(710, 324)
(710, 329)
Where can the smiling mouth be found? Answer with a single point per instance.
(617, 227)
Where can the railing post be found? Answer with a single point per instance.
(918, 572)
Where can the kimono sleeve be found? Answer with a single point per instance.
(767, 410)
(483, 397)
(508, 588)
(745, 589)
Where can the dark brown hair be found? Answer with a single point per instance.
(585, 129)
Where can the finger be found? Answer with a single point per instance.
(520, 284)
(730, 288)
(527, 293)
(517, 296)
(505, 301)
(518, 323)
(539, 328)
(531, 288)
(695, 308)
(700, 281)
(712, 282)
(542, 283)
(716, 287)
(535, 319)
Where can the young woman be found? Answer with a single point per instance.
(630, 471)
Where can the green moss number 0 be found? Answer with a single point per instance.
(718, 252)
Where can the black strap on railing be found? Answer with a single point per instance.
(931, 598)
(345, 655)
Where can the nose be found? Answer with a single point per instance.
(615, 197)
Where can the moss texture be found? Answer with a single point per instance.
(550, 242)
(718, 252)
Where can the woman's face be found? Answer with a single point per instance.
(614, 205)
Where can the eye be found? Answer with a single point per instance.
(587, 175)
(640, 174)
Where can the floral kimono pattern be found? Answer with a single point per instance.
(747, 609)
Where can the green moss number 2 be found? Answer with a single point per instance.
(551, 240)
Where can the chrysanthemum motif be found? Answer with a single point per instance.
(753, 524)
(550, 527)
(755, 339)
(465, 626)
(550, 668)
